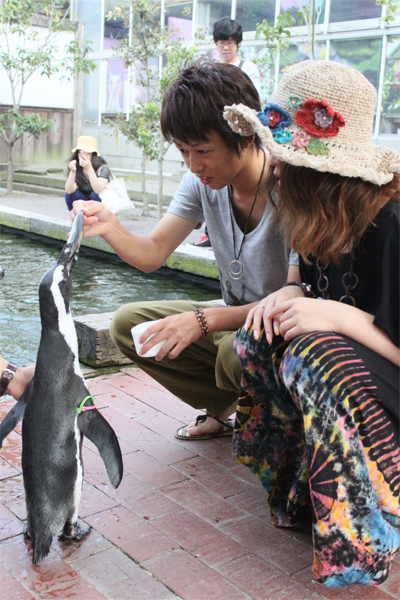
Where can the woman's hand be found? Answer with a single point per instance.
(179, 330)
(85, 162)
(262, 312)
(72, 166)
(305, 315)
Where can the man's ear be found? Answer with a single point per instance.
(247, 141)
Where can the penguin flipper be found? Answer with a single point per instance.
(14, 416)
(94, 426)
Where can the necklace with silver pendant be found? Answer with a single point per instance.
(235, 268)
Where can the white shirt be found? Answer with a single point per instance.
(252, 71)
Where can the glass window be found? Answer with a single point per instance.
(362, 54)
(355, 10)
(90, 13)
(390, 118)
(178, 17)
(113, 28)
(292, 55)
(91, 96)
(209, 11)
(293, 7)
(116, 80)
(250, 13)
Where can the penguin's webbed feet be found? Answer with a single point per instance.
(73, 532)
(27, 535)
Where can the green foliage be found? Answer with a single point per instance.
(141, 128)
(25, 50)
(276, 35)
(392, 9)
(32, 123)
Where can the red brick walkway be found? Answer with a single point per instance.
(186, 522)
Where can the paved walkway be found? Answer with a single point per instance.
(186, 522)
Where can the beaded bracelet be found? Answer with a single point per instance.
(6, 377)
(199, 312)
(307, 289)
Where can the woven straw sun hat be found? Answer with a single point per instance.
(86, 143)
(321, 116)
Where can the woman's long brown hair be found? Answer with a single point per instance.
(323, 214)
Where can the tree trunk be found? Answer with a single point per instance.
(160, 178)
(145, 201)
(10, 167)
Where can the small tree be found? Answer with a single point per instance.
(29, 42)
(148, 39)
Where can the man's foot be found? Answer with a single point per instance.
(204, 428)
(203, 242)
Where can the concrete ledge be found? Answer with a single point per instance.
(37, 189)
(96, 347)
(186, 258)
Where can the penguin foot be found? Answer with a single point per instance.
(73, 532)
(27, 535)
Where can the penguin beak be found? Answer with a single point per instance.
(71, 248)
(75, 237)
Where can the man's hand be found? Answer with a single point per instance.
(179, 330)
(97, 217)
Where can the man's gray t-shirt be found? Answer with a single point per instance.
(264, 254)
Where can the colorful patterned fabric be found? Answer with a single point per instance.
(311, 426)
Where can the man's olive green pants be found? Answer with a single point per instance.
(205, 375)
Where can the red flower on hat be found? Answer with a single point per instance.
(274, 118)
(309, 118)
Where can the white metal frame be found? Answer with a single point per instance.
(326, 32)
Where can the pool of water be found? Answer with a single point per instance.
(101, 284)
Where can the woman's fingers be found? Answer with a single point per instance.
(249, 318)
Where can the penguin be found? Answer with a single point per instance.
(58, 412)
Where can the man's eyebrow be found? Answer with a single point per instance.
(193, 145)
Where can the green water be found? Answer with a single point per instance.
(99, 285)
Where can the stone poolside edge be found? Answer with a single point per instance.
(186, 258)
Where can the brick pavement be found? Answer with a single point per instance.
(186, 522)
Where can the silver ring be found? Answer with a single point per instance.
(260, 307)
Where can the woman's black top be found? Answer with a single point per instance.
(85, 187)
(377, 267)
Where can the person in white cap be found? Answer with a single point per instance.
(88, 173)
(318, 414)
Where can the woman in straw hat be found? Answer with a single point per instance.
(318, 415)
(88, 173)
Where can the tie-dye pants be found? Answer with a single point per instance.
(311, 426)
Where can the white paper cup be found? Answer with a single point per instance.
(137, 332)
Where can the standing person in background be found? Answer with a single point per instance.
(228, 35)
(88, 173)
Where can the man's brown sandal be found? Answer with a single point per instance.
(225, 430)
